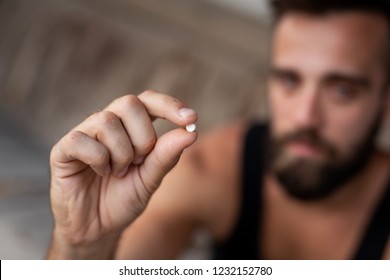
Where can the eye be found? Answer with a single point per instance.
(287, 81)
(343, 92)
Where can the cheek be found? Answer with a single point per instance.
(347, 127)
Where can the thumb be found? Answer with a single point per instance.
(165, 156)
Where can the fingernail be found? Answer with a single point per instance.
(185, 112)
(138, 160)
(123, 172)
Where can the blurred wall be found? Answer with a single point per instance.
(252, 8)
(62, 60)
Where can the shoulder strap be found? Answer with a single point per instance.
(243, 243)
(377, 235)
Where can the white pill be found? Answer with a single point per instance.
(191, 127)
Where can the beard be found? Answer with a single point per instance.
(314, 179)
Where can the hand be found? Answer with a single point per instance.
(105, 170)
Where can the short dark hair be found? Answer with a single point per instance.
(280, 7)
(323, 7)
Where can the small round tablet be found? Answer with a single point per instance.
(191, 127)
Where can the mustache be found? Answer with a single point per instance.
(308, 136)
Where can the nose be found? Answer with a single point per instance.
(308, 113)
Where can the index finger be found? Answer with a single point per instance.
(167, 107)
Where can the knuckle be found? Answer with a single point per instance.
(74, 137)
(101, 156)
(129, 101)
(173, 101)
(147, 145)
(107, 118)
(93, 116)
(126, 152)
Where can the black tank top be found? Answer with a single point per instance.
(243, 243)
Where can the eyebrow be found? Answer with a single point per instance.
(360, 81)
(276, 71)
(357, 80)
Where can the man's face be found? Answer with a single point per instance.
(326, 97)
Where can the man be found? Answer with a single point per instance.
(310, 185)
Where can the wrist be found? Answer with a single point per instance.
(102, 248)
